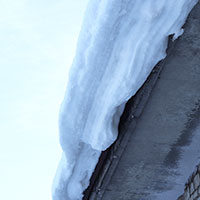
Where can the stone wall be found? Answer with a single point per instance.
(192, 187)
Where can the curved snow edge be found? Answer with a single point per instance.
(114, 57)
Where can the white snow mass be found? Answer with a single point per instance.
(119, 44)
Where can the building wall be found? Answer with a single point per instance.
(192, 187)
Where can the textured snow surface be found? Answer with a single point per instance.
(119, 44)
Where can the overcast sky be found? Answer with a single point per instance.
(37, 45)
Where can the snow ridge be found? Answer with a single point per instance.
(119, 44)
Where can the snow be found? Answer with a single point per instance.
(119, 44)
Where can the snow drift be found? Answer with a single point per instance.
(119, 44)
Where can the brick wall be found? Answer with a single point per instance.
(192, 187)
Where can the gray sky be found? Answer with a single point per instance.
(37, 45)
